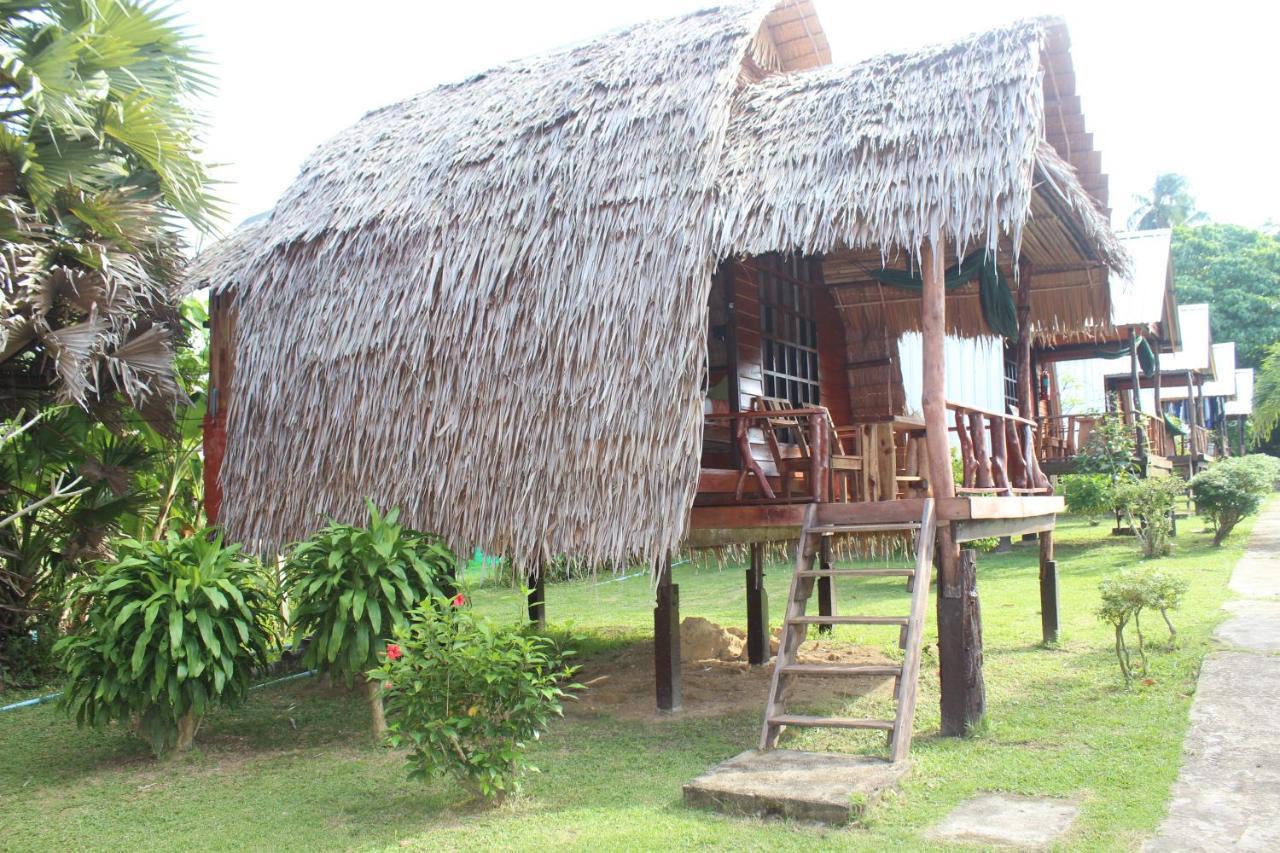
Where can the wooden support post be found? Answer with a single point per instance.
(666, 641)
(537, 597)
(826, 600)
(1048, 590)
(1026, 399)
(964, 697)
(1140, 432)
(757, 609)
(1161, 429)
(933, 315)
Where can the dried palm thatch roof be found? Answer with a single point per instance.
(487, 304)
(971, 141)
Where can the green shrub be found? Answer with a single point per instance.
(1110, 447)
(1148, 504)
(1090, 495)
(466, 696)
(350, 587)
(168, 630)
(1125, 595)
(1233, 489)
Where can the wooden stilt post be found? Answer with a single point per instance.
(666, 641)
(964, 694)
(1048, 589)
(757, 609)
(826, 603)
(537, 597)
(959, 626)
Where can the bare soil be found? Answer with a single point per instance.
(620, 683)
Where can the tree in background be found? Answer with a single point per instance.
(1169, 204)
(1266, 399)
(1237, 271)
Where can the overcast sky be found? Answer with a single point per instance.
(1162, 89)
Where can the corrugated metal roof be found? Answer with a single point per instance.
(1196, 351)
(1140, 298)
(1221, 383)
(1243, 403)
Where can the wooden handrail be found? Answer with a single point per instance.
(973, 410)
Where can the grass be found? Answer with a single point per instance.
(295, 768)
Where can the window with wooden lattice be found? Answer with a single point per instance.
(788, 330)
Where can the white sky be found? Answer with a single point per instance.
(1162, 89)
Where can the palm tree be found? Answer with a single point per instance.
(98, 166)
(1266, 398)
(1169, 204)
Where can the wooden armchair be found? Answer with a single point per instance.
(785, 426)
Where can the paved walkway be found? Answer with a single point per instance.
(1227, 796)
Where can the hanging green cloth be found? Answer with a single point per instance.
(998, 308)
(1175, 425)
(1146, 356)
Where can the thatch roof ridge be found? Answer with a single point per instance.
(866, 146)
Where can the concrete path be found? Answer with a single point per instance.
(1227, 796)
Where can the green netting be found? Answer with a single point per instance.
(1146, 356)
(998, 308)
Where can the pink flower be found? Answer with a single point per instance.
(393, 652)
(458, 600)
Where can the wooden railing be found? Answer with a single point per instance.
(1065, 436)
(998, 453)
(1199, 441)
(813, 439)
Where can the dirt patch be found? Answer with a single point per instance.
(620, 682)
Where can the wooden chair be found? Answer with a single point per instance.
(783, 429)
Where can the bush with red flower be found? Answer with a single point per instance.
(467, 696)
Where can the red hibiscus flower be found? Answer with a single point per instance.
(458, 600)
(393, 652)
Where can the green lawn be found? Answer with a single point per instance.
(295, 769)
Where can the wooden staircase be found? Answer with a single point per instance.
(795, 625)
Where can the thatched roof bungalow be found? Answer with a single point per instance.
(489, 304)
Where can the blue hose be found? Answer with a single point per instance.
(40, 700)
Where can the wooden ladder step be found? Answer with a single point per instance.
(841, 669)
(859, 573)
(849, 620)
(830, 722)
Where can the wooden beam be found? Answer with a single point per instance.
(991, 528)
(667, 675)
